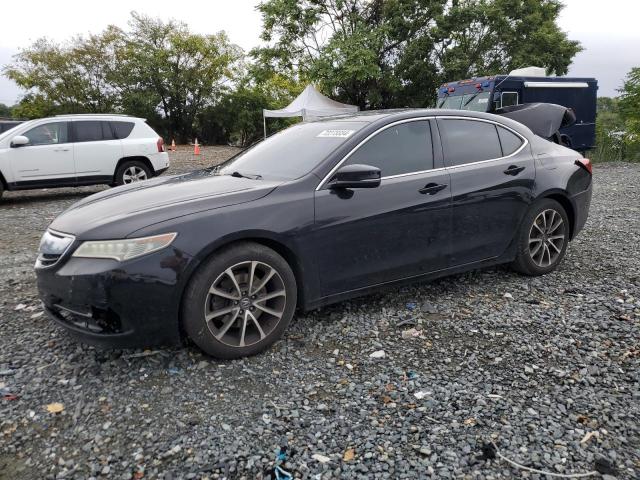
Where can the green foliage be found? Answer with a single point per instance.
(157, 70)
(615, 141)
(5, 111)
(237, 118)
(394, 53)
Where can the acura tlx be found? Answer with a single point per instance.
(320, 212)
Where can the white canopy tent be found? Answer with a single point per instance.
(309, 105)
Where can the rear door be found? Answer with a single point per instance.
(398, 230)
(48, 157)
(492, 177)
(96, 150)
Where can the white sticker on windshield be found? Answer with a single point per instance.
(483, 100)
(335, 133)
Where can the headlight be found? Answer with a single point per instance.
(124, 249)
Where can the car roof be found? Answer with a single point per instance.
(84, 116)
(391, 115)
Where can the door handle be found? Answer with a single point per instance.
(513, 170)
(60, 149)
(432, 188)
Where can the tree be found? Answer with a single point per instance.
(157, 70)
(5, 111)
(394, 53)
(76, 77)
(178, 71)
(629, 104)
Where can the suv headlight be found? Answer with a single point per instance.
(125, 249)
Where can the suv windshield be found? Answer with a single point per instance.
(292, 153)
(477, 102)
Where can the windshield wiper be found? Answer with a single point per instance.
(471, 99)
(246, 175)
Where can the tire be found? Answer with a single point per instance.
(132, 171)
(540, 248)
(1, 189)
(238, 324)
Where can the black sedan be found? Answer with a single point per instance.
(318, 213)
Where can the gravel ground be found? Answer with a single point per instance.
(546, 368)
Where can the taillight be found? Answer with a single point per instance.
(586, 164)
(160, 144)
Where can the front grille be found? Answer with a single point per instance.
(48, 259)
(94, 320)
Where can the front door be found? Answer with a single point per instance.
(397, 230)
(492, 177)
(46, 159)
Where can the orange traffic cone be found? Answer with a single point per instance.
(196, 148)
(173, 145)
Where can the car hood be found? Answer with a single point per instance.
(117, 212)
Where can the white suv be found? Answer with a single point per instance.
(76, 150)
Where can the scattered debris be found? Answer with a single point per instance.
(320, 458)
(410, 333)
(55, 407)
(497, 453)
(406, 321)
(377, 354)
(508, 296)
(349, 455)
(588, 436)
(421, 394)
(20, 306)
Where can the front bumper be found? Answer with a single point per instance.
(122, 305)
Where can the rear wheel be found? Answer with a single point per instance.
(132, 171)
(240, 301)
(543, 238)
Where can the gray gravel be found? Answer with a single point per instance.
(547, 368)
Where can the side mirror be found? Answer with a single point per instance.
(19, 141)
(356, 176)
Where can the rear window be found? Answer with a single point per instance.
(122, 129)
(510, 141)
(293, 152)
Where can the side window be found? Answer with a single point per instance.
(122, 129)
(509, 98)
(510, 141)
(88, 131)
(107, 131)
(48, 134)
(467, 141)
(403, 148)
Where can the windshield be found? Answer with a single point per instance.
(477, 102)
(292, 153)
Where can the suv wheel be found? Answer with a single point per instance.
(240, 301)
(132, 171)
(543, 238)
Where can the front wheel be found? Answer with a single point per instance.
(132, 171)
(543, 238)
(240, 301)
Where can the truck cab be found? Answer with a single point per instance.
(529, 85)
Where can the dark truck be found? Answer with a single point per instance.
(526, 86)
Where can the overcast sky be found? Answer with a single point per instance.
(608, 30)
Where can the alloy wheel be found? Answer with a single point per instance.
(546, 238)
(245, 303)
(134, 174)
